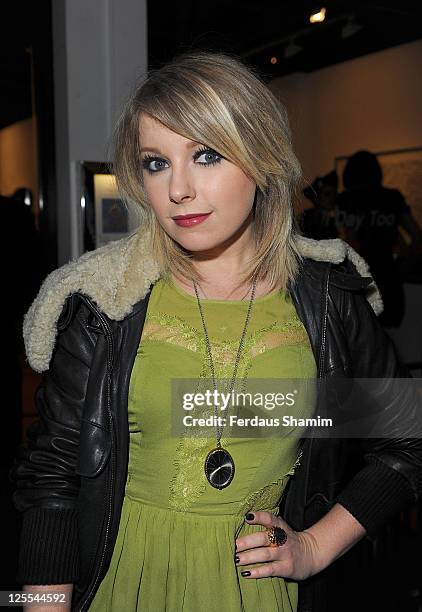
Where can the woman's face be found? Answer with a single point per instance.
(183, 178)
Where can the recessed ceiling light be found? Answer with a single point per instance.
(318, 15)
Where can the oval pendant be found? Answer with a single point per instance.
(219, 468)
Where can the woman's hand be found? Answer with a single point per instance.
(304, 553)
(297, 558)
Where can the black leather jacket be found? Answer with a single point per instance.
(71, 475)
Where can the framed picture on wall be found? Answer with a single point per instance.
(114, 216)
(106, 217)
(402, 170)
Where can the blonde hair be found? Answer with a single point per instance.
(214, 99)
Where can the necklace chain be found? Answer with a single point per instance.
(219, 430)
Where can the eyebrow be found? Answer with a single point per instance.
(190, 145)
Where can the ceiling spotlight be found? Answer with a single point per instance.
(292, 49)
(273, 60)
(350, 28)
(318, 15)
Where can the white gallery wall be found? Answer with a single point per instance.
(373, 102)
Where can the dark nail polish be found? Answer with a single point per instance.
(237, 559)
(246, 573)
(250, 516)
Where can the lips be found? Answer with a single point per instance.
(191, 216)
(191, 219)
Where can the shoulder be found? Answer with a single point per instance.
(114, 277)
(337, 263)
(396, 200)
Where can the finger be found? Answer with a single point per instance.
(259, 538)
(265, 554)
(252, 540)
(262, 539)
(273, 568)
(267, 519)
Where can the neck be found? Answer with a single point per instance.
(222, 268)
(227, 266)
(221, 285)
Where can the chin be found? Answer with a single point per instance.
(197, 242)
(196, 246)
(200, 239)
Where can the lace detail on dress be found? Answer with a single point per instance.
(170, 328)
(286, 333)
(189, 482)
(296, 464)
(268, 498)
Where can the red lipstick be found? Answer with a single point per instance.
(190, 220)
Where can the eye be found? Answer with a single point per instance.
(153, 164)
(208, 156)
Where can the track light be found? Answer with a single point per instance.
(318, 15)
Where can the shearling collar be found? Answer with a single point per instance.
(118, 275)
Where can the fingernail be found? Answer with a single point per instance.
(237, 559)
(246, 573)
(250, 516)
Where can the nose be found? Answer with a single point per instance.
(181, 189)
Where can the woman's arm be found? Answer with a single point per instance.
(54, 590)
(44, 471)
(334, 534)
(391, 478)
(388, 482)
(305, 553)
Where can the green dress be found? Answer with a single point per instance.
(176, 542)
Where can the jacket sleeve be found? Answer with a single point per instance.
(391, 478)
(44, 470)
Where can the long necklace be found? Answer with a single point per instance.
(219, 465)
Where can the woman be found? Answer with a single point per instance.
(216, 284)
